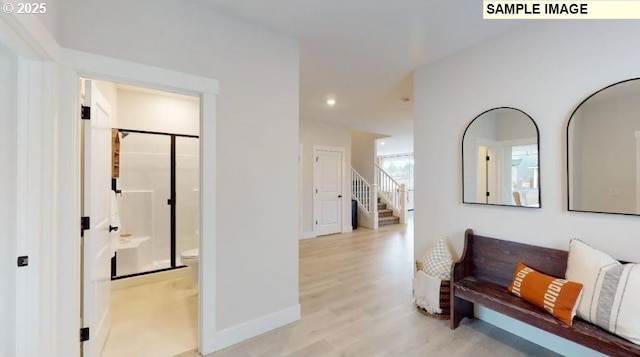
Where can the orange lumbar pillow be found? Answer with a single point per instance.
(558, 296)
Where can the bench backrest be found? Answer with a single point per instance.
(494, 260)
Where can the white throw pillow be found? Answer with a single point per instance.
(584, 265)
(611, 290)
(437, 261)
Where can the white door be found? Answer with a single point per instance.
(97, 240)
(327, 182)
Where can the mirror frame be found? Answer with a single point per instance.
(535, 125)
(568, 177)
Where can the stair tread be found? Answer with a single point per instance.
(389, 218)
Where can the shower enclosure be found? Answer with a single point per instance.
(158, 198)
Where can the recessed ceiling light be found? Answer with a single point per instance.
(331, 102)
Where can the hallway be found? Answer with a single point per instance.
(355, 292)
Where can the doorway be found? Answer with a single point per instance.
(328, 168)
(141, 189)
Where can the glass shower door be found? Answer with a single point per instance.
(145, 181)
(187, 195)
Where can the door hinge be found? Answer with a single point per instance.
(316, 222)
(316, 190)
(85, 224)
(488, 194)
(85, 112)
(84, 334)
(317, 158)
(23, 261)
(488, 158)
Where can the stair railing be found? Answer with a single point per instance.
(366, 196)
(392, 193)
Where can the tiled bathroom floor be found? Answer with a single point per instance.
(153, 320)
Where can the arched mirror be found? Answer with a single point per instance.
(500, 162)
(603, 151)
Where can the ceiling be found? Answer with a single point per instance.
(363, 53)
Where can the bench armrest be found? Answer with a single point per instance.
(463, 267)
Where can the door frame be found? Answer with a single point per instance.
(47, 297)
(344, 186)
(34, 329)
(80, 64)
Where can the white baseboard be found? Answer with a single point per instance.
(245, 331)
(307, 235)
(347, 229)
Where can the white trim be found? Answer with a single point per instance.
(136, 74)
(57, 275)
(244, 331)
(115, 70)
(300, 188)
(307, 235)
(27, 36)
(207, 267)
(347, 229)
(637, 137)
(67, 255)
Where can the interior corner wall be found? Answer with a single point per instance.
(319, 133)
(545, 69)
(363, 153)
(8, 162)
(256, 135)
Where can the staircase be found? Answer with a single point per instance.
(378, 205)
(385, 215)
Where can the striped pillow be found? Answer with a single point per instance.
(611, 290)
(557, 296)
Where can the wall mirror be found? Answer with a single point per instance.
(603, 151)
(500, 163)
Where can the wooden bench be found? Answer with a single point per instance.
(486, 269)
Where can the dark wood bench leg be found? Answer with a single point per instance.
(460, 309)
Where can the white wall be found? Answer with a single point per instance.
(395, 145)
(312, 133)
(142, 110)
(363, 153)
(8, 202)
(257, 134)
(545, 69)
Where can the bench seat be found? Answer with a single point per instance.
(469, 289)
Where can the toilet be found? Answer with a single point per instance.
(191, 258)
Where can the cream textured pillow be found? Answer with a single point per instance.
(584, 265)
(611, 290)
(437, 261)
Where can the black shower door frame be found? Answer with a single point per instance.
(171, 202)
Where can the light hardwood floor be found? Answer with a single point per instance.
(355, 292)
(153, 320)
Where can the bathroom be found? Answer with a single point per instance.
(156, 197)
